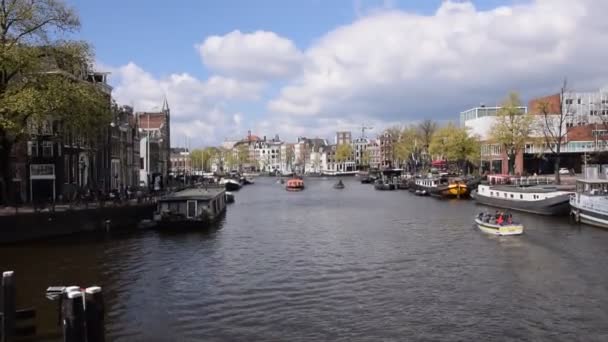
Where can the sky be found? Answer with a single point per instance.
(314, 67)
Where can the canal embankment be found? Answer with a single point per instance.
(27, 223)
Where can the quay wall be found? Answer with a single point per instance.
(41, 225)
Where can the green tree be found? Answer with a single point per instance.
(202, 158)
(44, 77)
(344, 152)
(455, 145)
(406, 144)
(512, 128)
(365, 158)
(242, 156)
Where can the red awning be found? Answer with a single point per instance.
(438, 163)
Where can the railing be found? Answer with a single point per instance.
(532, 180)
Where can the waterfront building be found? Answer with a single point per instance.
(123, 149)
(344, 137)
(375, 159)
(268, 154)
(180, 162)
(479, 122)
(155, 146)
(362, 155)
(387, 152)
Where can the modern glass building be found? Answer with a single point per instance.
(482, 111)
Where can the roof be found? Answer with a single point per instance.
(195, 194)
(593, 181)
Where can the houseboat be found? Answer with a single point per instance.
(441, 187)
(190, 208)
(294, 184)
(536, 199)
(589, 204)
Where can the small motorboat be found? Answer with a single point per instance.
(294, 184)
(229, 197)
(420, 192)
(339, 185)
(487, 224)
(366, 180)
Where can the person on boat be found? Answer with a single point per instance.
(509, 218)
(500, 220)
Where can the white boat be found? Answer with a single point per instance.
(589, 204)
(536, 199)
(501, 230)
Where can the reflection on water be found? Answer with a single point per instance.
(325, 264)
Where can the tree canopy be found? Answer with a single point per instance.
(42, 76)
(344, 153)
(512, 128)
(455, 144)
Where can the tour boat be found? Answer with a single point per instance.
(294, 184)
(537, 199)
(190, 208)
(589, 204)
(499, 229)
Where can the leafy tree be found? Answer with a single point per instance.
(242, 155)
(344, 152)
(426, 130)
(366, 158)
(555, 124)
(202, 158)
(407, 143)
(454, 144)
(512, 128)
(43, 77)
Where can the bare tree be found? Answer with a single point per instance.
(557, 119)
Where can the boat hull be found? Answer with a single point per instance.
(504, 230)
(294, 189)
(590, 217)
(453, 191)
(554, 206)
(232, 186)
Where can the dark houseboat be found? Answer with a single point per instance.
(190, 208)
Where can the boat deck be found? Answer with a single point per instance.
(198, 194)
(532, 188)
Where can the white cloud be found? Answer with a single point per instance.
(395, 65)
(198, 108)
(260, 55)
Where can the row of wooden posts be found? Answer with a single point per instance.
(81, 313)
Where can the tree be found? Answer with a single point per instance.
(201, 158)
(365, 158)
(289, 157)
(406, 144)
(344, 152)
(512, 128)
(427, 129)
(242, 155)
(42, 76)
(455, 144)
(556, 121)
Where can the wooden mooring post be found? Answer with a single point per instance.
(94, 314)
(15, 324)
(72, 316)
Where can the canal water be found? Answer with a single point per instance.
(341, 265)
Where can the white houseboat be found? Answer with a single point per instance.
(191, 208)
(590, 202)
(537, 199)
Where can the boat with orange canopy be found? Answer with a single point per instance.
(294, 184)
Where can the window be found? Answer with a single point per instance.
(47, 149)
(521, 196)
(32, 148)
(579, 101)
(568, 101)
(505, 195)
(511, 195)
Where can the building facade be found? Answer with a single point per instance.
(155, 142)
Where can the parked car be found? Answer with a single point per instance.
(564, 171)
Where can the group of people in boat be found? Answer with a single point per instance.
(500, 218)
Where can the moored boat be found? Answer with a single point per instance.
(190, 208)
(499, 229)
(381, 185)
(229, 197)
(441, 187)
(589, 204)
(230, 184)
(537, 199)
(294, 184)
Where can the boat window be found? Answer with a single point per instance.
(505, 195)
(491, 193)
(521, 196)
(511, 195)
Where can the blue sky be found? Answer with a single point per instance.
(311, 67)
